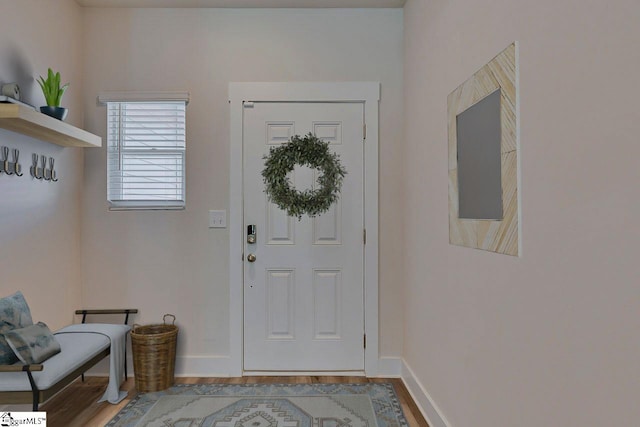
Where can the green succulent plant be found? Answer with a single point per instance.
(51, 88)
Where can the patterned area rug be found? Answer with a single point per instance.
(265, 405)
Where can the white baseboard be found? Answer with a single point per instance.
(303, 373)
(390, 367)
(101, 369)
(186, 366)
(202, 366)
(425, 403)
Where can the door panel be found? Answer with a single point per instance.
(303, 295)
(327, 291)
(280, 310)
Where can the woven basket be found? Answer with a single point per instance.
(154, 355)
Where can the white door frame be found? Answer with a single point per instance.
(367, 93)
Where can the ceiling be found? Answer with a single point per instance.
(244, 3)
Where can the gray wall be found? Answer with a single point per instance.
(549, 338)
(171, 261)
(40, 221)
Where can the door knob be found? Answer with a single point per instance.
(251, 258)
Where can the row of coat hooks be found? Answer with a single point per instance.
(42, 172)
(39, 168)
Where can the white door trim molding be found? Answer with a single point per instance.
(365, 92)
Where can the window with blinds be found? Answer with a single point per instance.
(146, 155)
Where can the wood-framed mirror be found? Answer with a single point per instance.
(483, 158)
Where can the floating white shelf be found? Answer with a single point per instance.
(24, 120)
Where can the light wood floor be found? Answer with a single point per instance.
(76, 405)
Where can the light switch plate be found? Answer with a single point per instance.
(217, 219)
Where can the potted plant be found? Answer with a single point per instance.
(53, 95)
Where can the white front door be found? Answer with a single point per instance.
(303, 294)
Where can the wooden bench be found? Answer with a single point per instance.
(78, 353)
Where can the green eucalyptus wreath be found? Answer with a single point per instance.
(312, 152)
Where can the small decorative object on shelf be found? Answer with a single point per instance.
(312, 152)
(53, 95)
(12, 90)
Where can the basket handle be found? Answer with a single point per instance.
(164, 319)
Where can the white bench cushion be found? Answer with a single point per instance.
(76, 349)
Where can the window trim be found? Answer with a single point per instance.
(135, 96)
(150, 97)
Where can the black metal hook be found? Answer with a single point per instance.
(53, 172)
(17, 167)
(34, 166)
(5, 161)
(45, 175)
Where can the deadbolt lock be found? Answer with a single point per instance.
(251, 233)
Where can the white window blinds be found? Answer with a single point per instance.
(146, 154)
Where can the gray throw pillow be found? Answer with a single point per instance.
(33, 344)
(14, 314)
